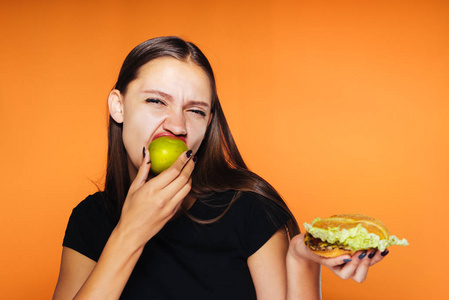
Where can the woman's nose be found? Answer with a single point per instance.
(175, 123)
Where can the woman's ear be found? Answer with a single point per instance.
(115, 103)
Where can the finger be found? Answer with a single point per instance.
(177, 200)
(169, 175)
(362, 269)
(339, 260)
(142, 173)
(347, 270)
(173, 184)
(183, 181)
(378, 257)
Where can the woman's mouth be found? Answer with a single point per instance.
(169, 135)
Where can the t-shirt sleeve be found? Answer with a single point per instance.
(263, 221)
(89, 227)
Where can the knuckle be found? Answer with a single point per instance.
(173, 210)
(159, 203)
(143, 168)
(174, 169)
(356, 262)
(149, 191)
(156, 202)
(177, 166)
(182, 159)
(184, 176)
(181, 162)
(359, 280)
(345, 276)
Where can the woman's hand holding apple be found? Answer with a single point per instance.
(150, 204)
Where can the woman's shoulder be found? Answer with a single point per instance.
(254, 217)
(95, 207)
(89, 226)
(91, 200)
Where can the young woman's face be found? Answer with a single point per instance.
(168, 97)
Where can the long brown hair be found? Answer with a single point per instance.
(219, 168)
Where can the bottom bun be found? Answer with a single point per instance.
(333, 253)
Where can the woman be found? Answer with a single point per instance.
(207, 227)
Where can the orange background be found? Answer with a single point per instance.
(341, 105)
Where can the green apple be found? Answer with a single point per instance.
(164, 151)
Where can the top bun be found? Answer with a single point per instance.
(348, 221)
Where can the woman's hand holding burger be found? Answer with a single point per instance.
(354, 267)
(347, 244)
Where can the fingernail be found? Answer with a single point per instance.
(371, 255)
(195, 159)
(385, 252)
(189, 153)
(347, 260)
(361, 256)
(143, 152)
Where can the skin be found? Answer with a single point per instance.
(172, 97)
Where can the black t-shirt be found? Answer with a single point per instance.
(186, 259)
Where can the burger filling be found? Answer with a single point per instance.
(317, 244)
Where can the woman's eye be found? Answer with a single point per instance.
(199, 112)
(155, 101)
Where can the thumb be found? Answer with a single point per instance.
(142, 173)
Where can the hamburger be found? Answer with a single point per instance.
(348, 233)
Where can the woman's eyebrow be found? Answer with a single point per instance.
(160, 93)
(170, 97)
(198, 103)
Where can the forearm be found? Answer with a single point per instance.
(113, 269)
(303, 279)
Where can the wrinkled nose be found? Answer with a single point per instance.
(175, 123)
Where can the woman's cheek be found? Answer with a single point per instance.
(134, 139)
(134, 154)
(198, 143)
